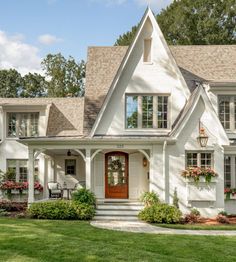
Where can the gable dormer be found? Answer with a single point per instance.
(148, 91)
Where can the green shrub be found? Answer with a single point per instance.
(224, 213)
(195, 212)
(84, 211)
(161, 213)
(84, 196)
(150, 198)
(61, 210)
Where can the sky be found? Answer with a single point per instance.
(30, 29)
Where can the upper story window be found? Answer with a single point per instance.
(227, 111)
(147, 111)
(199, 159)
(147, 50)
(22, 124)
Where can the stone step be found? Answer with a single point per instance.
(119, 207)
(117, 212)
(117, 218)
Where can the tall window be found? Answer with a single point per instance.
(131, 111)
(70, 165)
(227, 171)
(147, 50)
(147, 111)
(20, 168)
(227, 111)
(197, 159)
(22, 124)
(162, 112)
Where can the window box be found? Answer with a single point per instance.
(202, 179)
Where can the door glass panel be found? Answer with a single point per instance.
(116, 170)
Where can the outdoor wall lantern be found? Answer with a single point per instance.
(145, 162)
(68, 153)
(203, 137)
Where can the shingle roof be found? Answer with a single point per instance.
(197, 63)
(65, 116)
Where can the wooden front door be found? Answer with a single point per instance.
(116, 175)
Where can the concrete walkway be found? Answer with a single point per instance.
(142, 227)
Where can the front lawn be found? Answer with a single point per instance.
(198, 226)
(42, 240)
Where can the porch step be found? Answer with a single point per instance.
(109, 210)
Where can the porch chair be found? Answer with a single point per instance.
(55, 190)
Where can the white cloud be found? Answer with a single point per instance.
(16, 54)
(154, 4)
(48, 39)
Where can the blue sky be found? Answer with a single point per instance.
(30, 29)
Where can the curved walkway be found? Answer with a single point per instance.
(142, 227)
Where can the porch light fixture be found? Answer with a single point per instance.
(145, 162)
(68, 153)
(203, 137)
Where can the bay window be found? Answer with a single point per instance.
(147, 111)
(22, 124)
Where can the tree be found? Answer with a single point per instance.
(10, 83)
(66, 76)
(187, 22)
(34, 85)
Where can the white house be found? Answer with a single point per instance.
(138, 126)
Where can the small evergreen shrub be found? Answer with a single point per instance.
(161, 213)
(150, 198)
(224, 213)
(84, 211)
(195, 212)
(84, 196)
(61, 210)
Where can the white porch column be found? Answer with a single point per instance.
(31, 175)
(88, 169)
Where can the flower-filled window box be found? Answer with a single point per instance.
(199, 174)
(230, 193)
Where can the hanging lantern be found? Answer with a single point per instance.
(145, 162)
(203, 138)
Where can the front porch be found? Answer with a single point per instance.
(122, 174)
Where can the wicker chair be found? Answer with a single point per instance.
(55, 190)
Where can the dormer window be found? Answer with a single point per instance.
(147, 111)
(227, 111)
(147, 50)
(22, 124)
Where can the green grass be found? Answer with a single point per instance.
(38, 240)
(198, 227)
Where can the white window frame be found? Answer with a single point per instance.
(199, 157)
(155, 108)
(232, 169)
(18, 119)
(18, 165)
(232, 117)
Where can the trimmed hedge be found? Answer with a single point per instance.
(61, 210)
(161, 213)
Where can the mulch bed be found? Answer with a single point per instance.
(213, 221)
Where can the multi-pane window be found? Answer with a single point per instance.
(70, 167)
(131, 111)
(147, 111)
(197, 159)
(227, 171)
(23, 124)
(20, 169)
(227, 111)
(162, 112)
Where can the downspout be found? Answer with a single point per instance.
(166, 180)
